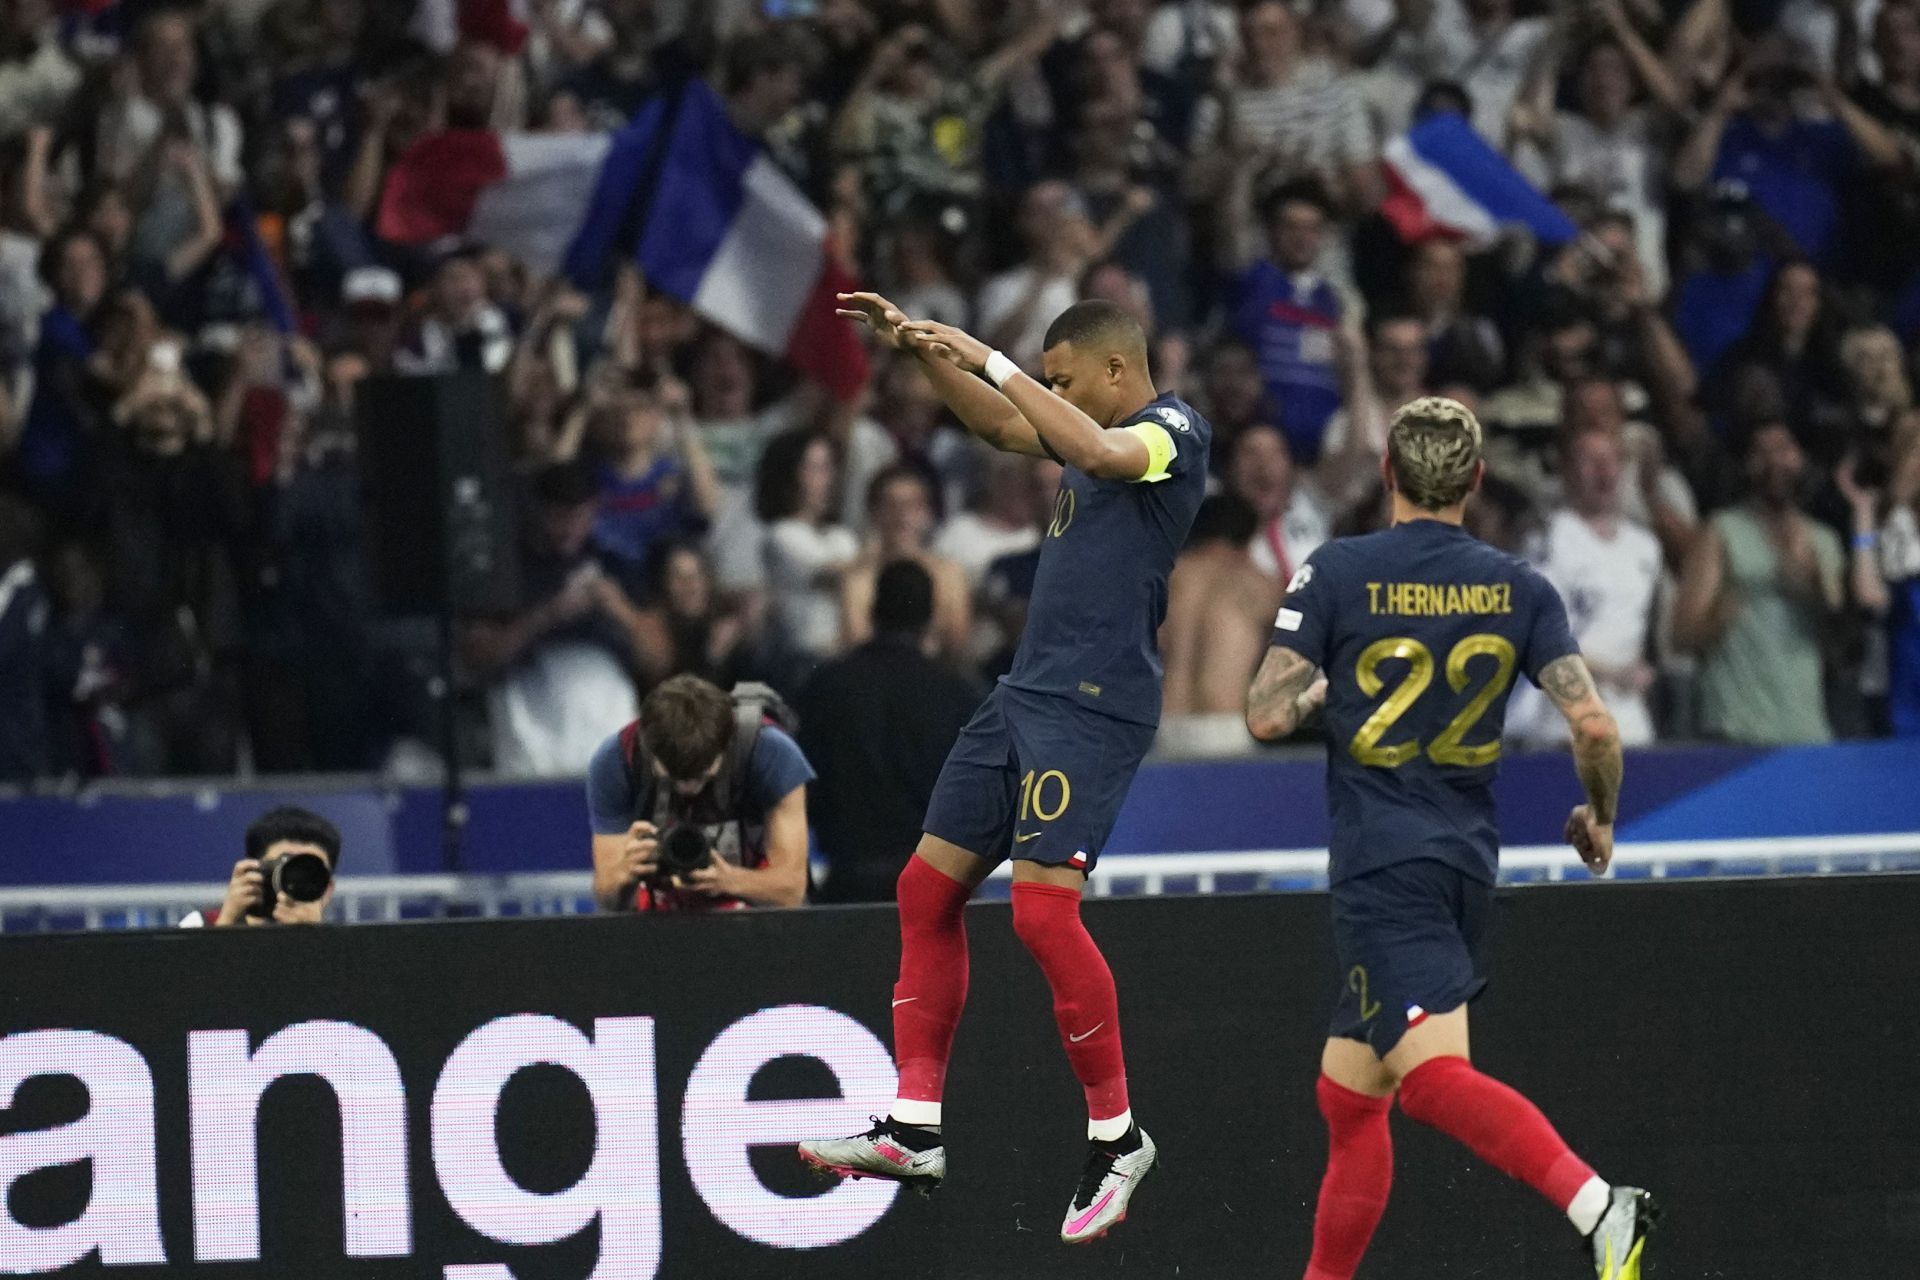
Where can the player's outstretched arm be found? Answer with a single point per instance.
(983, 410)
(1073, 437)
(1597, 757)
(1284, 696)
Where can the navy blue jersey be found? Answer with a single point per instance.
(1420, 630)
(1100, 593)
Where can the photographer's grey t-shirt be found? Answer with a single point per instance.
(776, 767)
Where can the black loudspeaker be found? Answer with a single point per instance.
(437, 487)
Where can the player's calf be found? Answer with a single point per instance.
(1503, 1128)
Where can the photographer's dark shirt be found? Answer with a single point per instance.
(775, 769)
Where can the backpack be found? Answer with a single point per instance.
(755, 706)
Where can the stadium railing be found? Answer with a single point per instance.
(374, 898)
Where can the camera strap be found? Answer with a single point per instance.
(755, 706)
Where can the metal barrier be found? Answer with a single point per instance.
(365, 898)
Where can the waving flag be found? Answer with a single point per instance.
(521, 192)
(712, 220)
(1444, 180)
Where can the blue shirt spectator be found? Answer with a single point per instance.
(1793, 167)
(1712, 311)
(1291, 316)
(1290, 320)
(655, 482)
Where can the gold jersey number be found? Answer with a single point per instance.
(1450, 747)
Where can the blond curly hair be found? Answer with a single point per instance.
(1432, 445)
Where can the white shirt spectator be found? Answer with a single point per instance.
(1411, 58)
(1495, 70)
(22, 298)
(435, 347)
(1318, 115)
(1625, 167)
(869, 451)
(1189, 31)
(941, 302)
(806, 607)
(1608, 585)
(1001, 296)
(1282, 544)
(738, 541)
(130, 131)
(35, 90)
(974, 542)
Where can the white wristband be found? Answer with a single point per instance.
(999, 369)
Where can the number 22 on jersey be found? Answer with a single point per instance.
(1449, 747)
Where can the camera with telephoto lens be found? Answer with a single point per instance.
(303, 877)
(682, 850)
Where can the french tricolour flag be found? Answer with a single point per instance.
(713, 221)
(1444, 180)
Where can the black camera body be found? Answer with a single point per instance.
(683, 848)
(302, 876)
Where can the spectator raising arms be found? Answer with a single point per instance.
(195, 281)
(902, 512)
(1606, 569)
(808, 553)
(1759, 586)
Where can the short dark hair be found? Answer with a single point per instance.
(903, 599)
(761, 53)
(300, 826)
(1295, 191)
(565, 484)
(908, 470)
(1442, 95)
(776, 485)
(660, 559)
(1097, 323)
(685, 723)
(1746, 435)
(1379, 318)
(55, 250)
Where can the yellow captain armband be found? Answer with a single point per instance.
(1160, 450)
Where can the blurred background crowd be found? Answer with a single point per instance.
(1700, 413)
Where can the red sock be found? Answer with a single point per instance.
(933, 977)
(1353, 1195)
(1496, 1124)
(1047, 918)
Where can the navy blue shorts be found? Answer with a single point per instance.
(1409, 939)
(1036, 777)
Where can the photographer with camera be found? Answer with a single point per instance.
(701, 803)
(287, 875)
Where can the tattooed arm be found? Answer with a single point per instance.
(1284, 697)
(1596, 757)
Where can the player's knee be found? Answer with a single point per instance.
(1041, 911)
(1347, 1110)
(1423, 1084)
(927, 895)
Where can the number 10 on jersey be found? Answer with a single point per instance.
(1034, 794)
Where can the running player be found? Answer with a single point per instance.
(1420, 629)
(1041, 770)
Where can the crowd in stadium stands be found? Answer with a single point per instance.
(1700, 414)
